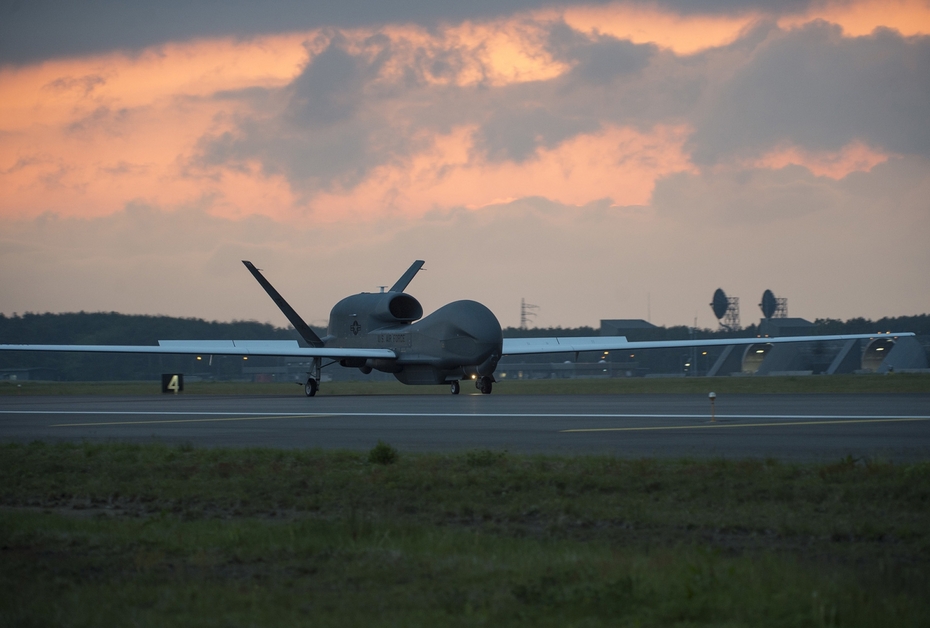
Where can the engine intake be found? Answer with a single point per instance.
(401, 308)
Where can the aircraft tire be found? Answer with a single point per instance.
(485, 385)
(455, 387)
(311, 387)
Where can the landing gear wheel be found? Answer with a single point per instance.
(455, 387)
(484, 385)
(311, 387)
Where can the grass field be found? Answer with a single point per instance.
(156, 535)
(896, 383)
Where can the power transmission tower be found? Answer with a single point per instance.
(526, 311)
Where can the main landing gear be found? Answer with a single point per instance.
(313, 378)
(482, 383)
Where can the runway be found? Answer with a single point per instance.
(893, 427)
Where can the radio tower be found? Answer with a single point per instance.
(526, 311)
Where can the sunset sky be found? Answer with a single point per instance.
(599, 159)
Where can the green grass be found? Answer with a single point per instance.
(150, 535)
(896, 383)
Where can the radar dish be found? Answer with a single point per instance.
(769, 304)
(720, 303)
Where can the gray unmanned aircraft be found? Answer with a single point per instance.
(386, 331)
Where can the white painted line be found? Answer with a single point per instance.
(781, 419)
(729, 425)
(238, 418)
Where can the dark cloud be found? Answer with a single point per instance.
(342, 115)
(85, 84)
(546, 113)
(516, 134)
(332, 88)
(691, 7)
(317, 158)
(32, 30)
(602, 58)
(812, 87)
(323, 129)
(815, 88)
(101, 120)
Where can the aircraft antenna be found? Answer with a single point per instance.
(526, 311)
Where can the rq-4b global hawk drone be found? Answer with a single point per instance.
(386, 331)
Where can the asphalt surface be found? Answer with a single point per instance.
(894, 427)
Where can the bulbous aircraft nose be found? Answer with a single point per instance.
(480, 323)
(470, 334)
(484, 327)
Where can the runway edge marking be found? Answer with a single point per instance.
(732, 425)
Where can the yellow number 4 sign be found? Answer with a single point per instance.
(172, 382)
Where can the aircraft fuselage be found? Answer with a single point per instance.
(456, 341)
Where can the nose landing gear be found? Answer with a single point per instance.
(455, 387)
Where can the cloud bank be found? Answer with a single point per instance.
(650, 148)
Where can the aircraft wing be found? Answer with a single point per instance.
(568, 344)
(275, 348)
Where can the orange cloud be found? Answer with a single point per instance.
(617, 163)
(494, 53)
(688, 34)
(683, 34)
(85, 136)
(909, 17)
(854, 157)
(56, 92)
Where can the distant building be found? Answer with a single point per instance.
(632, 328)
(777, 327)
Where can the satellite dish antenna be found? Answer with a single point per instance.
(769, 304)
(720, 304)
